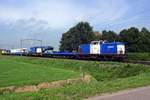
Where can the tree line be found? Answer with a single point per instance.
(135, 40)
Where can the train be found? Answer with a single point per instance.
(96, 50)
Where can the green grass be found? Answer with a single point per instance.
(101, 71)
(82, 90)
(108, 77)
(139, 56)
(16, 73)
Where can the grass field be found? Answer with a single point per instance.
(107, 77)
(80, 91)
(16, 73)
(101, 71)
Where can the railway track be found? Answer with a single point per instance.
(124, 61)
(138, 62)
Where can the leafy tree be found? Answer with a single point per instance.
(82, 33)
(109, 36)
(144, 40)
(130, 37)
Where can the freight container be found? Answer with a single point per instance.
(39, 49)
(18, 50)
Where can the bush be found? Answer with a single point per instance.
(138, 56)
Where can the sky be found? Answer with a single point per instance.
(48, 19)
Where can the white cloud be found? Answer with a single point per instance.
(13, 32)
(47, 19)
(63, 13)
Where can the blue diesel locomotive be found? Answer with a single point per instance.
(102, 50)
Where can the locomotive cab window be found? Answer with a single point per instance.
(95, 42)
